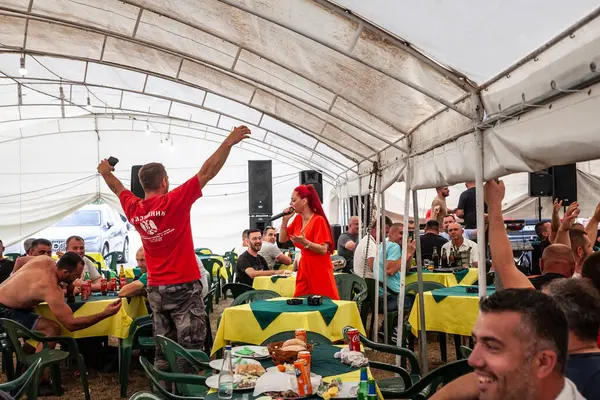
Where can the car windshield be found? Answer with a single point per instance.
(81, 218)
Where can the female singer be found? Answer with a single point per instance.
(310, 231)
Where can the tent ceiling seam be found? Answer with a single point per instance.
(459, 79)
(208, 64)
(412, 85)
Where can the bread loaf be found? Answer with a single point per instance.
(294, 342)
(293, 347)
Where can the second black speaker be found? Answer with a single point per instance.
(311, 177)
(136, 186)
(260, 187)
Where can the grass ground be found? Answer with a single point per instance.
(105, 386)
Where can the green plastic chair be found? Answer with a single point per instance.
(312, 338)
(140, 337)
(19, 386)
(213, 265)
(428, 385)
(339, 258)
(197, 358)
(236, 289)
(390, 387)
(112, 259)
(465, 352)
(351, 287)
(155, 376)
(12, 256)
(6, 346)
(203, 250)
(48, 357)
(254, 295)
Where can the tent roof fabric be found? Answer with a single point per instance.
(327, 85)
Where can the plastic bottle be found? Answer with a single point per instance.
(226, 376)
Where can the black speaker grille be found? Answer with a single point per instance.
(136, 186)
(260, 187)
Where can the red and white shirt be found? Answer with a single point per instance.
(163, 222)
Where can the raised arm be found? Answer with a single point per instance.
(562, 236)
(113, 183)
(555, 224)
(502, 254)
(135, 288)
(394, 266)
(213, 165)
(283, 233)
(592, 226)
(64, 314)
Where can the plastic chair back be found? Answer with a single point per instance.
(208, 300)
(173, 351)
(12, 256)
(312, 338)
(155, 375)
(144, 396)
(441, 376)
(465, 352)
(15, 331)
(254, 295)
(112, 259)
(203, 250)
(212, 265)
(236, 289)
(21, 384)
(351, 287)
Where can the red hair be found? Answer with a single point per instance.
(314, 202)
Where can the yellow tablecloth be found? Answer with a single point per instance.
(454, 314)
(446, 279)
(284, 286)
(117, 325)
(239, 325)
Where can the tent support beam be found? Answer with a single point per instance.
(377, 260)
(404, 263)
(343, 51)
(384, 263)
(211, 65)
(479, 208)
(422, 327)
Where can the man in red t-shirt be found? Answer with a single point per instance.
(162, 219)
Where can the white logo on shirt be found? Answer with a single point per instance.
(149, 227)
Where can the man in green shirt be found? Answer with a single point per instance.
(137, 287)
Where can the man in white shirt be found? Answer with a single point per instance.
(77, 245)
(241, 249)
(270, 252)
(521, 338)
(360, 252)
(465, 250)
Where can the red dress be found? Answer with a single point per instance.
(315, 272)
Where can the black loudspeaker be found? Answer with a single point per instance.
(260, 187)
(259, 222)
(314, 178)
(336, 232)
(565, 183)
(541, 184)
(136, 186)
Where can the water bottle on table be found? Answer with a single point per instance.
(226, 376)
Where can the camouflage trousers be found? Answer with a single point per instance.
(178, 313)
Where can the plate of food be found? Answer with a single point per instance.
(336, 389)
(244, 377)
(216, 364)
(255, 352)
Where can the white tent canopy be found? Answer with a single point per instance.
(321, 88)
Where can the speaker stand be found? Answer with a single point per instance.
(539, 209)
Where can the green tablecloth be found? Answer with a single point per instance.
(274, 278)
(79, 302)
(322, 363)
(441, 294)
(266, 312)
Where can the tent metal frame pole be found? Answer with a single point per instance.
(422, 326)
(348, 54)
(376, 264)
(384, 262)
(359, 211)
(480, 208)
(403, 264)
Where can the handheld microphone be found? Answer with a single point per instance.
(112, 161)
(286, 212)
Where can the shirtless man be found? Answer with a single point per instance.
(38, 281)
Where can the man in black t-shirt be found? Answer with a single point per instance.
(557, 262)
(467, 206)
(432, 239)
(6, 265)
(250, 264)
